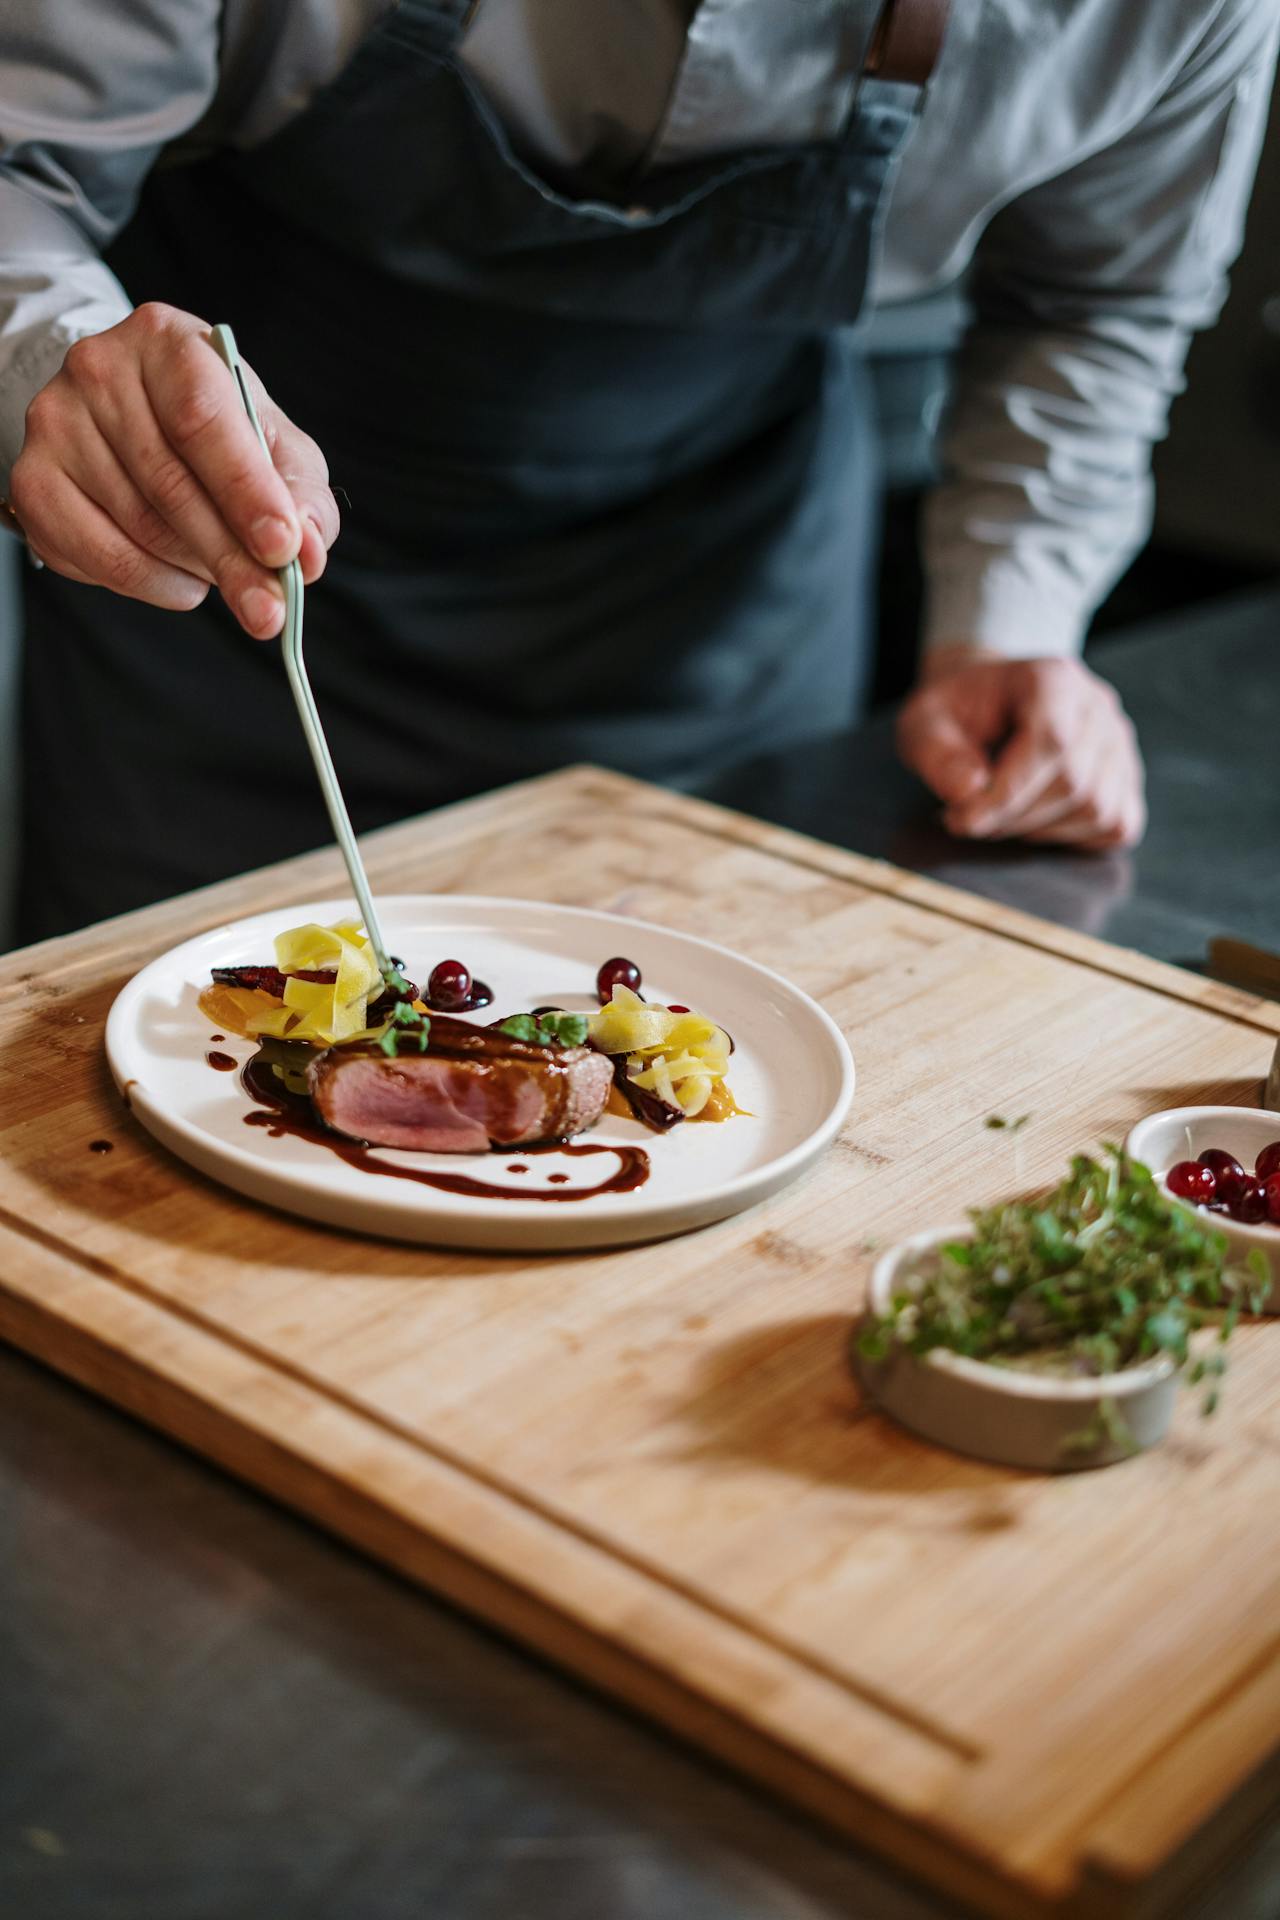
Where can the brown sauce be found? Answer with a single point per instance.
(479, 996)
(291, 1114)
(221, 1062)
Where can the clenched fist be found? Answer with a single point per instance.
(140, 472)
(1028, 749)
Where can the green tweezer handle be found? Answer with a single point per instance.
(223, 342)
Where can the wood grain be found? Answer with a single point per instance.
(1045, 1695)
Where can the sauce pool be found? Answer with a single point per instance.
(283, 1114)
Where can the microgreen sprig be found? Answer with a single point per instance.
(547, 1029)
(407, 1031)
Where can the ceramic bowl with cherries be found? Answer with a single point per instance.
(1225, 1163)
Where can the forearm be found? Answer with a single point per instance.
(53, 291)
(1045, 494)
(1087, 291)
(90, 92)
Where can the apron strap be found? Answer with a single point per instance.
(428, 26)
(908, 40)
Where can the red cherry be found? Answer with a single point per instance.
(1268, 1161)
(1227, 1171)
(449, 987)
(1192, 1181)
(616, 973)
(1272, 1186)
(1250, 1204)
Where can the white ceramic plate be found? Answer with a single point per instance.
(792, 1070)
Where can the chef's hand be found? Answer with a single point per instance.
(1027, 749)
(140, 472)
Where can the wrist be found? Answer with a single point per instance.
(944, 657)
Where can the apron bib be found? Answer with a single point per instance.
(610, 474)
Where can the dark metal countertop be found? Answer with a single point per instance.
(1204, 690)
(209, 1711)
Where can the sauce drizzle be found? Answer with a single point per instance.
(283, 1114)
(221, 1062)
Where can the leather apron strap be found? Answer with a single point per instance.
(908, 40)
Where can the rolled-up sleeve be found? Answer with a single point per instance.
(1086, 291)
(90, 92)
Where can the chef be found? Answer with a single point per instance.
(567, 303)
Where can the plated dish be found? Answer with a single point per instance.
(522, 1084)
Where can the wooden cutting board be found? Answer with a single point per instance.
(1045, 1695)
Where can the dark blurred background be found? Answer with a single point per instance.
(1217, 525)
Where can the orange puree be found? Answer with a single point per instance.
(230, 1009)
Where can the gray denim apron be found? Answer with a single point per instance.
(609, 470)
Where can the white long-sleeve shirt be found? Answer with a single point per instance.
(1089, 160)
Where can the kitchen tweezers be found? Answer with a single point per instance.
(223, 341)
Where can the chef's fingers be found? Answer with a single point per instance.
(935, 743)
(104, 382)
(170, 486)
(92, 464)
(1024, 771)
(1082, 829)
(1115, 817)
(303, 468)
(201, 414)
(1082, 778)
(73, 535)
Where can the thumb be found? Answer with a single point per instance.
(936, 745)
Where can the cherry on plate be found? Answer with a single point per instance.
(1192, 1180)
(616, 973)
(449, 987)
(1268, 1161)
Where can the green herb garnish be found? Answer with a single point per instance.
(547, 1029)
(1105, 1272)
(407, 1031)
(997, 1122)
(394, 983)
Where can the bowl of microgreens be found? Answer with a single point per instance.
(1053, 1333)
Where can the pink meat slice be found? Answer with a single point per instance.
(449, 1103)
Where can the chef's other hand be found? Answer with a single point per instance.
(140, 472)
(1028, 749)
